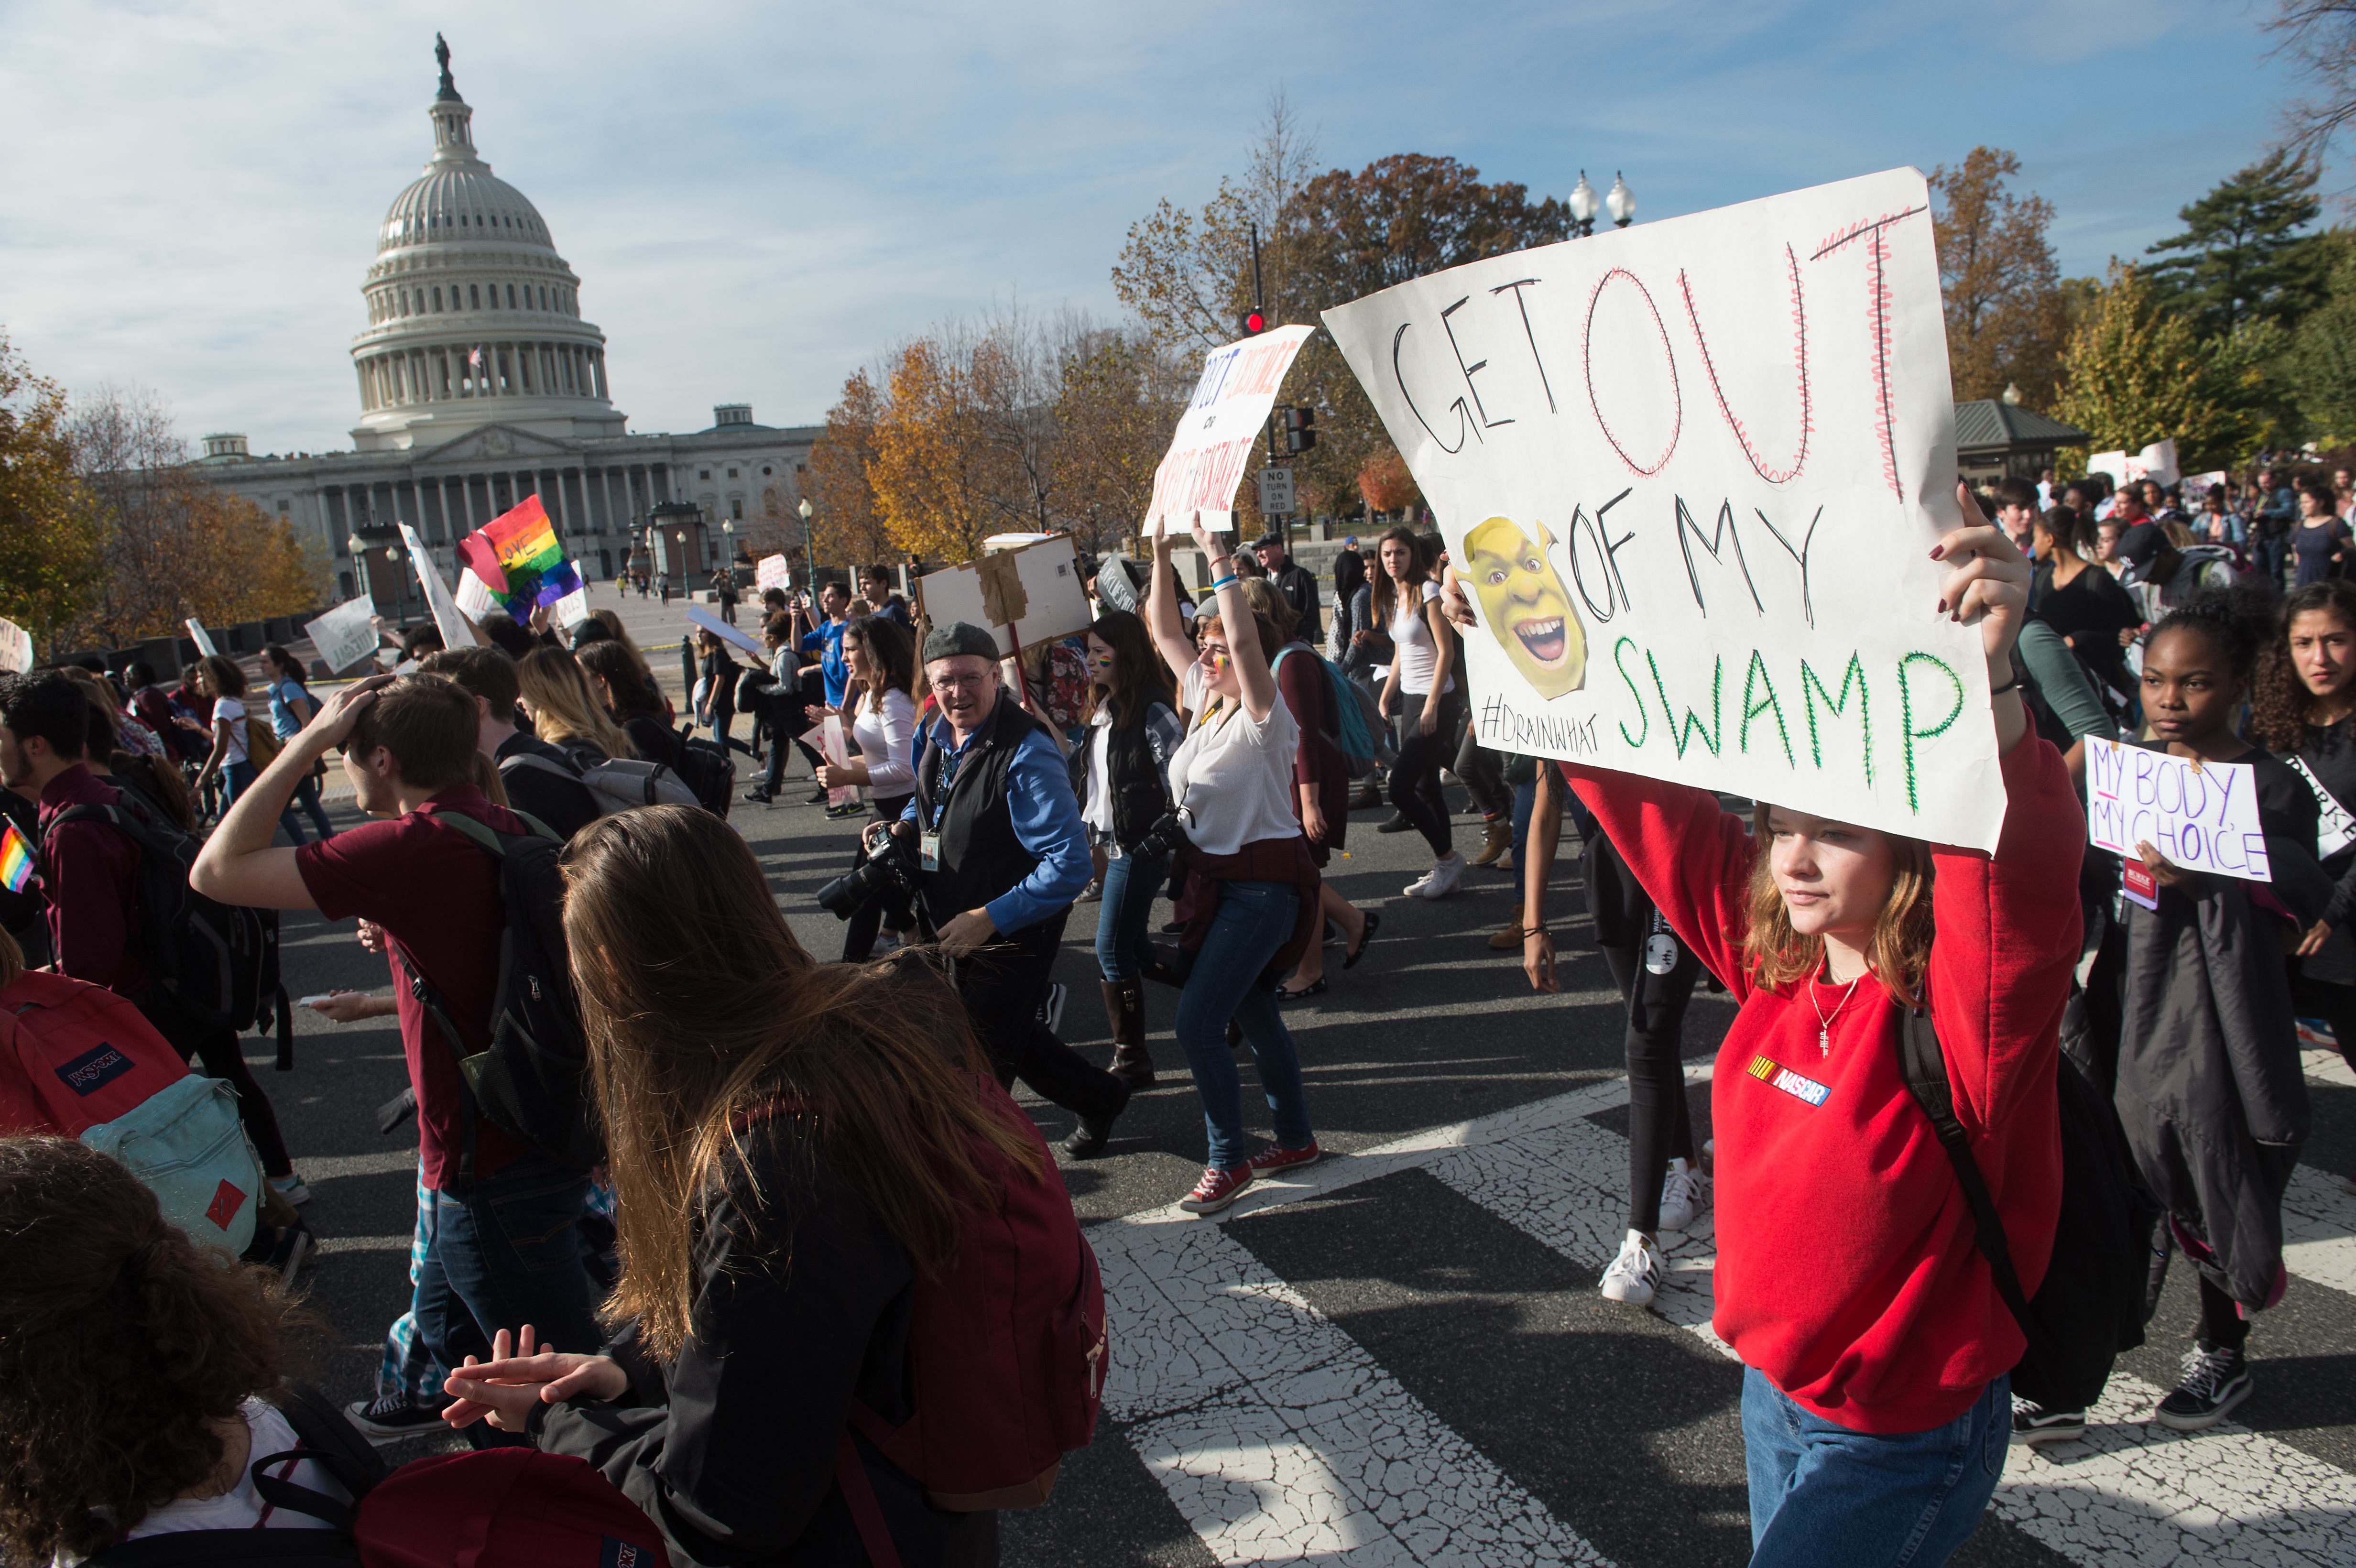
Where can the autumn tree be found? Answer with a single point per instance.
(2242, 256)
(1118, 400)
(51, 546)
(847, 519)
(1998, 280)
(2135, 372)
(1385, 484)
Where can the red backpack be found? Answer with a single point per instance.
(503, 1508)
(73, 1055)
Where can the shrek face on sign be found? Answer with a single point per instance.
(1526, 606)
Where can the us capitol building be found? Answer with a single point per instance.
(481, 383)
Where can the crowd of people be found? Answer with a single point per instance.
(688, 1193)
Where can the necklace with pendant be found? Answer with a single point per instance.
(1825, 1024)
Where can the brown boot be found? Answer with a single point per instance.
(1124, 1003)
(1500, 832)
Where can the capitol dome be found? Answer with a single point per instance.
(473, 319)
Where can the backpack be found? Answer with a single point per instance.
(710, 772)
(618, 783)
(496, 1508)
(217, 961)
(533, 1081)
(186, 1145)
(1007, 1352)
(2090, 1307)
(1357, 714)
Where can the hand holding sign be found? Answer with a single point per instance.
(2175, 814)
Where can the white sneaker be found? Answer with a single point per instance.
(1444, 878)
(1684, 1191)
(1051, 1008)
(1634, 1275)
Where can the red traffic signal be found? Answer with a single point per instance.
(1255, 322)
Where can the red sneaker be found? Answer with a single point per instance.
(1275, 1157)
(1216, 1190)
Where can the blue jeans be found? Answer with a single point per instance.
(1822, 1494)
(1223, 983)
(502, 1254)
(238, 777)
(1130, 885)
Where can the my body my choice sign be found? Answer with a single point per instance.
(1692, 472)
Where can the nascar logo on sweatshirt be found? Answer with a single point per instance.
(1768, 1071)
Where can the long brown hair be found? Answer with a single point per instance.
(628, 681)
(891, 653)
(699, 1007)
(564, 707)
(1386, 591)
(122, 1347)
(1901, 952)
(2280, 703)
(1140, 678)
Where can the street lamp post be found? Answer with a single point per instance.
(810, 562)
(1582, 203)
(359, 548)
(400, 584)
(1620, 201)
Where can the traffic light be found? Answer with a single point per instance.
(1255, 321)
(1296, 425)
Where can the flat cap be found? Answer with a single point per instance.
(959, 637)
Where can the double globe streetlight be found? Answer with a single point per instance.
(1620, 201)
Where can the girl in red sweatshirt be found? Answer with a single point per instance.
(1876, 1405)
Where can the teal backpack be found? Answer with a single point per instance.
(186, 1145)
(1361, 736)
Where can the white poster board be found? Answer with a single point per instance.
(1222, 423)
(835, 747)
(1040, 583)
(1691, 473)
(16, 648)
(345, 634)
(698, 615)
(457, 630)
(772, 571)
(573, 608)
(2337, 829)
(2156, 463)
(204, 639)
(2201, 815)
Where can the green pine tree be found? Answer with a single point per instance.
(2242, 256)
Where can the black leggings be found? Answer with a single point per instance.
(1660, 1123)
(1415, 776)
(2221, 1322)
(223, 1055)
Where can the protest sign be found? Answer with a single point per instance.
(2337, 829)
(518, 560)
(836, 749)
(204, 639)
(2156, 463)
(573, 608)
(345, 634)
(457, 630)
(1691, 473)
(15, 647)
(1032, 593)
(1222, 423)
(2201, 815)
(698, 615)
(772, 571)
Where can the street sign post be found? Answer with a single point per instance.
(1276, 491)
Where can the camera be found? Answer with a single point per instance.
(890, 870)
(1165, 836)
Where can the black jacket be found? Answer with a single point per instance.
(805, 1303)
(1299, 586)
(981, 856)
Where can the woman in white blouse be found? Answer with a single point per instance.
(1422, 696)
(881, 660)
(1250, 903)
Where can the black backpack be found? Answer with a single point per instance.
(216, 964)
(710, 772)
(2091, 1305)
(533, 1080)
(325, 1436)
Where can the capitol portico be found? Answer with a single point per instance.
(481, 383)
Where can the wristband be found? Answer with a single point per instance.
(1229, 581)
(2012, 685)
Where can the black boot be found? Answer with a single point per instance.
(1088, 1139)
(1124, 1003)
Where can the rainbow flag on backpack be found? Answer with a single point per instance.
(517, 557)
(15, 860)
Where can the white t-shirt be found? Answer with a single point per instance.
(233, 709)
(1235, 776)
(884, 742)
(241, 1508)
(1411, 634)
(1097, 810)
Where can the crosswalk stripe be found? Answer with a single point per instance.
(2130, 1493)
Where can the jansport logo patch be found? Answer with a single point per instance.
(95, 1069)
(1767, 1071)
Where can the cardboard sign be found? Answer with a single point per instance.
(698, 615)
(457, 630)
(2156, 463)
(16, 648)
(2202, 817)
(1041, 582)
(836, 749)
(2336, 830)
(772, 571)
(345, 634)
(1217, 433)
(204, 639)
(1690, 474)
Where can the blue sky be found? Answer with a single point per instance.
(760, 197)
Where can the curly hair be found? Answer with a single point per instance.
(122, 1346)
(2238, 622)
(2280, 703)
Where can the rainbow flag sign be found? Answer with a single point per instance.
(16, 858)
(516, 556)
